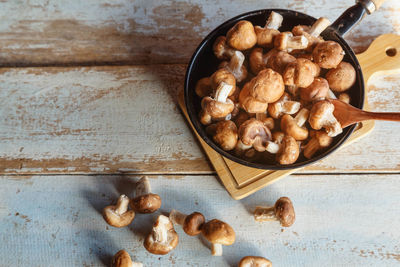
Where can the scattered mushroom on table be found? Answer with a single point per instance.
(191, 224)
(162, 238)
(254, 261)
(118, 215)
(145, 201)
(282, 211)
(218, 233)
(122, 259)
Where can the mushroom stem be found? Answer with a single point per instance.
(235, 65)
(160, 231)
(274, 21)
(177, 217)
(272, 147)
(311, 147)
(222, 92)
(319, 26)
(143, 186)
(263, 214)
(302, 117)
(216, 249)
(122, 205)
(296, 42)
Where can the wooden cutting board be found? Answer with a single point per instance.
(382, 57)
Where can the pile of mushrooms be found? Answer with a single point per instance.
(270, 93)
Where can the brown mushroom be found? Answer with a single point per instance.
(224, 134)
(344, 97)
(242, 36)
(269, 122)
(122, 259)
(219, 107)
(321, 116)
(316, 91)
(162, 238)
(289, 151)
(145, 201)
(222, 50)
(254, 133)
(258, 60)
(267, 86)
(294, 126)
(312, 33)
(319, 140)
(279, 61)
(275, 146)
(118, 215)
(218, 233)
(249, 103)
(342, 77)
(265, 35)
(328, 54)
(223, 76)
(191, 224)
(236, 67)
(283, 106)
(203, 87)
(282, 211)
(300, 73)
(254, 261)
(287, 42)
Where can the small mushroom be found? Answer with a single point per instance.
(342, 77)
(328, 54)
(321, 116)
(265, 35)
(312, 33)
(258, 60)
(294, 126)
(162, 238)
(254, 133)
(267, 86)
(122, 259)
(242, 35)
(191, 223)
(279, 61)
(249, 103)
(222, 50)
(145, 201)
(219, 107)
(223, 76)
(289, 151)
(203, 87)
(218, 233)
(345, 98)
(283, 106)
(319, 140)
(300, 73)
(254, 261)
(224, 134)
(118, 215)
(236, 67)
(316, 91)
(282, 211)
(287, 42)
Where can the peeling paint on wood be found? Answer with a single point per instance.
(144, 32)
(56, 221)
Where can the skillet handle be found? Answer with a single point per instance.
(353, 15)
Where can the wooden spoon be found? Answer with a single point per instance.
(347, 114)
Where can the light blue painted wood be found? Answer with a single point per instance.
(346, 220)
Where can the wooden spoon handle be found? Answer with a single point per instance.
(383, 116)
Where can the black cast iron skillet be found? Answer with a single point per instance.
(204, 63)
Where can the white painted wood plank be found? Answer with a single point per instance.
(346, 220)
(125, 119)
(144, 31)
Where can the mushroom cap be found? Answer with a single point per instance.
(265, 36)
(257, 60)
(221, 50)
(161, 248)
(290, 127)
(249, 103)
(253, 132)
(300, 72)
(267, 86)
(218, 232)
(215, 108)
(115, 219)
(289, 151)
(281, 40)
(284, 211)
(254, 261)
(319, 112)
(223, 75)
(328, 54)
(121, 259)
(278, 61)
(147, 203)
(205, 118)
(242, 36)
(317, 90)
(203, 87)
(226, 135)
(193, 223)
(342, 77)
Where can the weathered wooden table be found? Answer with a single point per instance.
(88, 105)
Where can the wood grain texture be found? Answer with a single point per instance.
(49, 32)
(125, 119)
(55, 221)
